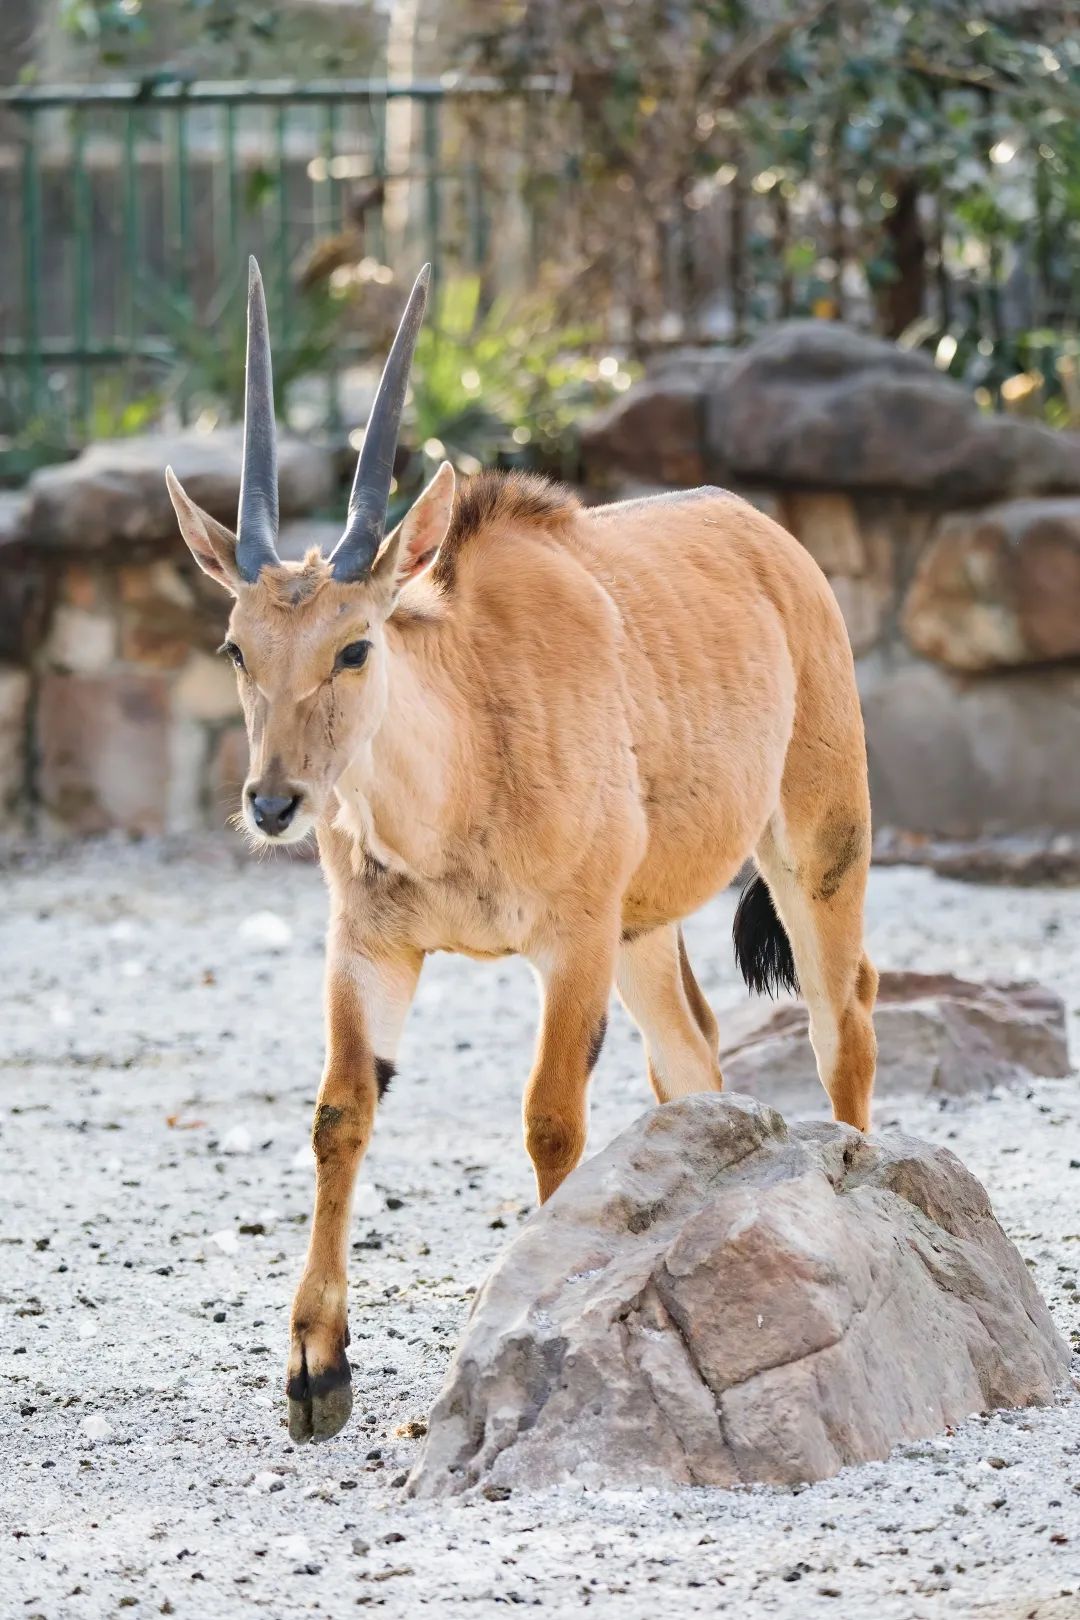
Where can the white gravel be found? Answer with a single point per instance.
(160, 1043)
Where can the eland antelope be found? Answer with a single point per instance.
(517, 725)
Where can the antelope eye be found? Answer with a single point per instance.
(352, 656)
(234, 653)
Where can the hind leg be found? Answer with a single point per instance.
(703, 1013)
(817, 878)
(659, 991)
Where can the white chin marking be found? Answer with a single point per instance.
(295, 832)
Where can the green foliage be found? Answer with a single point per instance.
(506, 380)
(503, 382)
(205, 368)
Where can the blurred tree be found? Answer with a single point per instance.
(895, 113)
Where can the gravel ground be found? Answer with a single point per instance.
(159, 1062)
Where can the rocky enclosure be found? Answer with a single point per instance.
(950, 538)
(718, 1299)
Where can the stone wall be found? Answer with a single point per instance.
(116, 710)
(951, 539)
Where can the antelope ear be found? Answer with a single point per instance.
(414, 544)
(211, 544)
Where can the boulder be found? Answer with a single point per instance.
(971, 756)
(104, 746)
(12, 517)
(936, 1033)
(14, 707)
(817, 404)
(165, 612)
(653, 431)
(717, 1299)
(206, 689)
(115, 490)
(1016, 860)
(999, 588)
(24, 584)
(1035, 863)
(853, 549)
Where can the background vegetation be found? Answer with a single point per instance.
(711, 166)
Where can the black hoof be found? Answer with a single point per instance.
(319, 1406)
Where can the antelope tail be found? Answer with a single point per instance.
(762, 948)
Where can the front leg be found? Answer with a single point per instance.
(366, 1002)
(577, 985)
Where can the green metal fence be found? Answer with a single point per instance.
(127, 212)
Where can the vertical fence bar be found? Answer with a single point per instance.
(329, 214)
(941, 268)
(84, 380)
(837, 233)
(232, 185)
(131, 234)
(181, 182)
(323, 212)
(1043, 242)
(31, 208)
(782, 243)
(995, 266)
(377, 119)
(478, 224)
(180, 242)
(284, 302)
(322, 208)
(333, 130)
(939, 229)
(737, 248)
(530, 122)
(431, 181)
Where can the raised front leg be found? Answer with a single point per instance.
(573, 1022)
(366, 1003)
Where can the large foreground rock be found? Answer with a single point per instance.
(716, 1298)
(115, 491)
(936, 1033)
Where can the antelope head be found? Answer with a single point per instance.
(307, 638)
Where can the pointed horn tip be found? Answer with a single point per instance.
(254, 273)
(424, 278)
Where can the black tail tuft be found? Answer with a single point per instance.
(384, 1073)
(762, 948)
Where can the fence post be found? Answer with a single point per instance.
(82, 268)
(431, 172)
(131, 228)
(31, 200)
(284, 301)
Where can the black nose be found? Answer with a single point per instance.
(272, 815)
